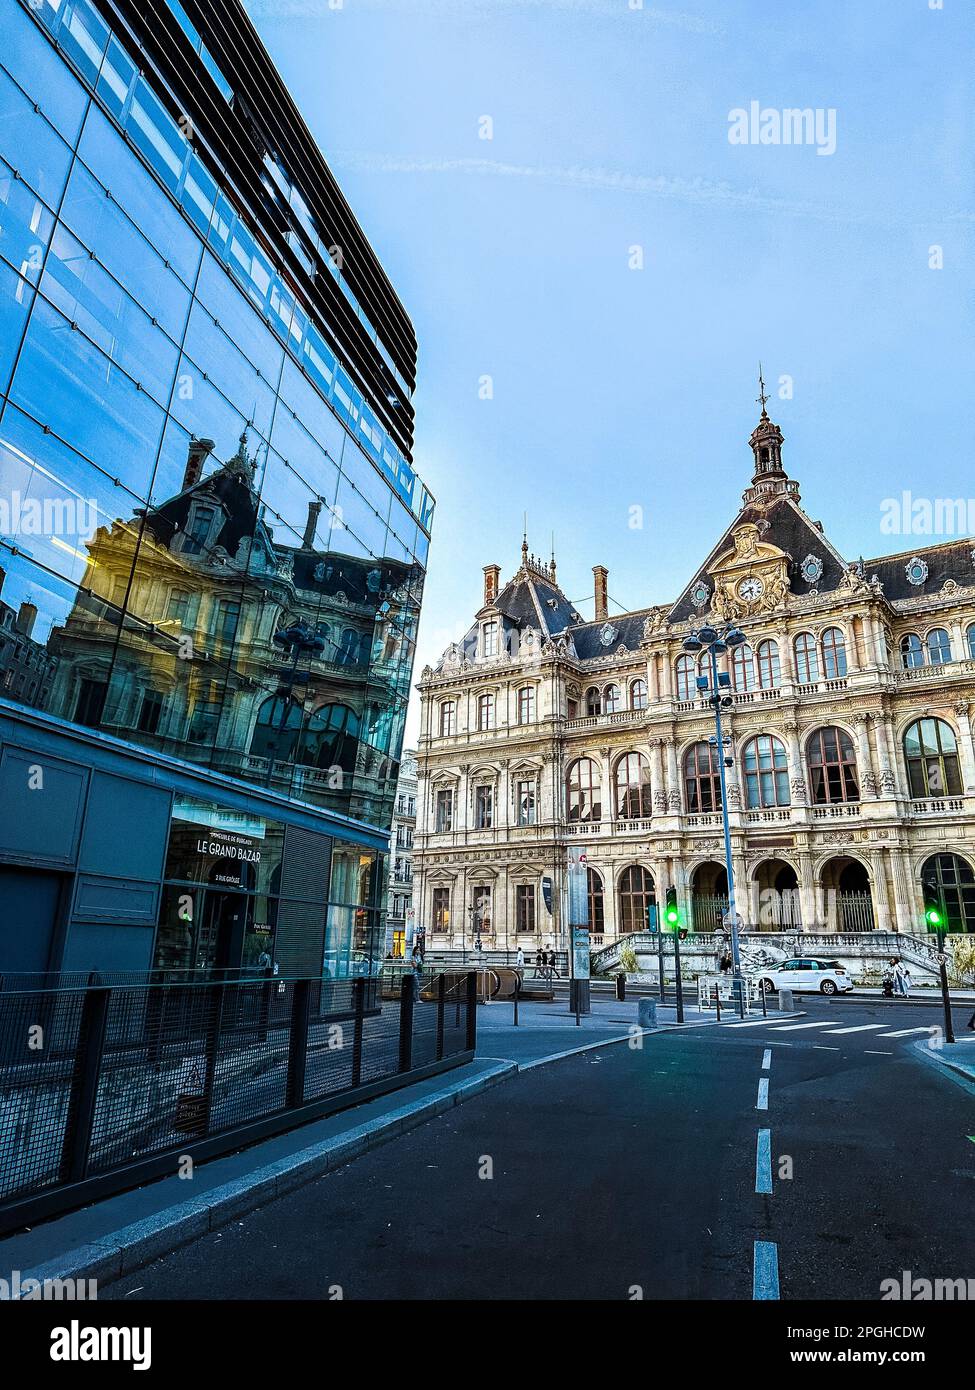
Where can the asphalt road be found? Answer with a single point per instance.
(624, 1169)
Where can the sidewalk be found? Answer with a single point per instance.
(957, 1058)
(113, 1237)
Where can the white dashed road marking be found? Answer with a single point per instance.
(762, 1102)
(860, 1028)
(767, 1059)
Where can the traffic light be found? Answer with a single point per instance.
(934, 911)
(672, 912)
(651, 917)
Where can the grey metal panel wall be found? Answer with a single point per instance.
(307, 857)
(122, 901)
(301, 938)
(42, 802)
(126, 828)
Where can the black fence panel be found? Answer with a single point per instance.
(108, 1082)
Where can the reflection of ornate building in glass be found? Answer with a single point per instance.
(202, 676)
(212, 537)
(852, 762)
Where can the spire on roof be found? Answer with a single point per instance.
(769, 477)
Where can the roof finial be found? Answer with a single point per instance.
(524, 544)
(762, 394)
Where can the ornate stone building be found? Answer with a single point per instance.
(849, 745)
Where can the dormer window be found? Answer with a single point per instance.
(489, 638)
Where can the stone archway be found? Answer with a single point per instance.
(709, 896)
(774, 895)
(847, 895)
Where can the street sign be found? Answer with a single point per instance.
(580, 953)
(547, 894)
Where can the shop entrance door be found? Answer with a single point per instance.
(221, 941)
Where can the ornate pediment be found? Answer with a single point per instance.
(750, 578)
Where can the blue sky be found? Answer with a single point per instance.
(617, 388)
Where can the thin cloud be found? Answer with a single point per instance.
(481, 9)
(700, 191)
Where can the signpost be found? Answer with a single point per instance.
(578, 895)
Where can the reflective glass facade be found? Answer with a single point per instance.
(211, 547)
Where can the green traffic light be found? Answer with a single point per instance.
(673, 916)
(933, 917)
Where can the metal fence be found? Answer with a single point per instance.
(106, 1086)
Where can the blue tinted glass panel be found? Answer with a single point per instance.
(29, 58)
(156, 135)
(59, 502)
(96, 408)
(101, 224)
(205, 412)
(88, 296)
(210, 347)
(115, 81)
(84, 36)
(25, 226)
(108, 157)
(29, 145)
(239, 321)
(15, 300)
(317, 417)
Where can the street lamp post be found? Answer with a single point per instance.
(716, 641)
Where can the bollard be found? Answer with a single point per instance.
(621, 987)
(786, 1005)
(646, 1013)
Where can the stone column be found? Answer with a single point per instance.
(609, 790)
(503, 818)
(966, 746)
(808, 904)
(881, 896)
(885, 745)
(673, 778)
(657, 788)
(868, 778)
(797, 772)
(907, 910)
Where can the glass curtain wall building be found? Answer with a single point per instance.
(212, 538)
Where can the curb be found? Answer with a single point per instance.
(125, 1250)
(933, 1057)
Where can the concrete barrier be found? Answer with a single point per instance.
(786, 1006)
(646, 1013)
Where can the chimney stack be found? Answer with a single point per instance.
(601, 576)
(196, 456)
(492, 576)
(314, 512)
(26, 618)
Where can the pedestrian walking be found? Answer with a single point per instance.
(520, 960)
(539, 965)
(416, 960)
(902, 978)
(553, 964)
(725, 963)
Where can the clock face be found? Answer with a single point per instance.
(750, 589)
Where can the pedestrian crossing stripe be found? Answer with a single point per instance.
(905, 1032)
(794, 1027)
(859, 1028)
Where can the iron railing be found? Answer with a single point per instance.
(104, 1087)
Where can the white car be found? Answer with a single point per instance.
(826, 976)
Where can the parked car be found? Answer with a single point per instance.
(826, 976)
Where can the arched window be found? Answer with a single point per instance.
(766, 765)
(743, 667)
(612, 699)
(526, 704)
(594, 701)
(638, 695)
(912, 652)
(584, 791)
(931, 753)
(685, 677)
(769, 670)
(635, 896)
(597, 905)
(633, 787)
(276, 731)
(834, 653)
(832, 767)
(939, 646)
(807, 658)
(702, 784)
(331, 738)
(949, 879)
(970, 636)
